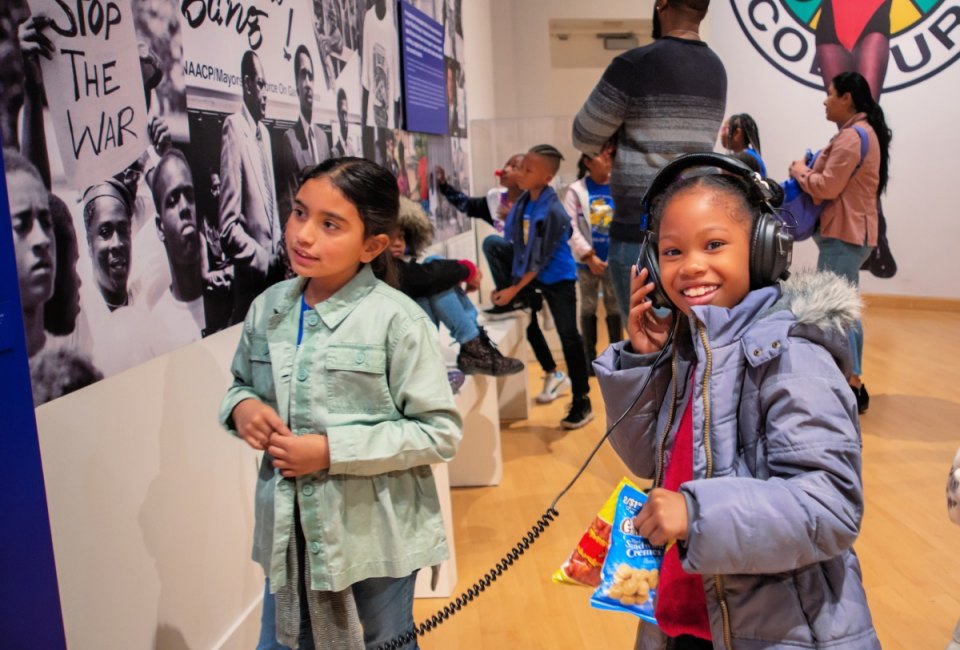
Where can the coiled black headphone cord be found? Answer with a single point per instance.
(525, 542)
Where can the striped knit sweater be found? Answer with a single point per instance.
(658, 101)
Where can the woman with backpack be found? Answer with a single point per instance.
(851, 187)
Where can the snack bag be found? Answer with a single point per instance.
(583, 566)
(631, 573)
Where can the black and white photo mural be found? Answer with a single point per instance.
(152, 149)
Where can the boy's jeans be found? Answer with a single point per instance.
(453, 309)
(385, 606)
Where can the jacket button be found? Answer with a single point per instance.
(775, 345)
(307, 490)
(312, 319)
(314, 547)
(756, 352)
(360, 358)
(302, 374)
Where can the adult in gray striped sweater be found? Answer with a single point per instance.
(655, 103)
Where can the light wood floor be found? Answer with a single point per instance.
(910, 434)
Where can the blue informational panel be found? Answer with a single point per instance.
(424, 75)
(29, 599)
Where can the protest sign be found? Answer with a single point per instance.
(94, 87)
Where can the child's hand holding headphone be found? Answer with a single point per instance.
(647, 332)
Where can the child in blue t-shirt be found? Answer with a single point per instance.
(590, 206)
(538, 228)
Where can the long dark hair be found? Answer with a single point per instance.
(751, 133)
(582, 166)
(60, 312)
(863, 102)
(372, 189)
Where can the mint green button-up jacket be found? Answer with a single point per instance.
(368, 374)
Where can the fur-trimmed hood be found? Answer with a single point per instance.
(415, 225)
(821, 299)
(818, 306)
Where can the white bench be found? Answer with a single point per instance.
(510, 335)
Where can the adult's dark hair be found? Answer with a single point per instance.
(695, 8)
(14, 161)
(169, 156)
(372, 189)
(55, 373)
(746, 124)
(301, 49)
(248, 67)
(863, 102)
(60, 311)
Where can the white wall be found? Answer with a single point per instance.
(920, 205)
(527, 85)
(923, 226)
(151, 507)
(478, 54)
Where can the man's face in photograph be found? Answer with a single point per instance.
(256, 90)
(34, 243)
(109, 240)
(305, 86)
(177, 212)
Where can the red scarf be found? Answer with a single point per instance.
(681, 606)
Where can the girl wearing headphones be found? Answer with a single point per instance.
(749, 430)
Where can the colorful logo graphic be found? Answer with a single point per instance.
(924, 35)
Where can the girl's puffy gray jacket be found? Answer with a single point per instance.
(776, 499)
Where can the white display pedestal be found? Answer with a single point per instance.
(479, 461)
(510, 335)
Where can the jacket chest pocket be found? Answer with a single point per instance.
(356, 379)
(261, 369)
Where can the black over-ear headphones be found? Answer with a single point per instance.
(771, 248)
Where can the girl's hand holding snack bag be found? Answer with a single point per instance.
(631, 573)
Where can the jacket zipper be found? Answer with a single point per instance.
(717, 579)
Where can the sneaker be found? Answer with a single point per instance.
(554, 385)
(480, 356)
(455, 378)
(501, 312)
(579, 414)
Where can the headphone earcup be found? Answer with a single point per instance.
(771, 251)
(648, 260)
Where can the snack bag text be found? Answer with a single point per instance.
(631, 572)
(586, 559)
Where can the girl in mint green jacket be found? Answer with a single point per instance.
(338, 378)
